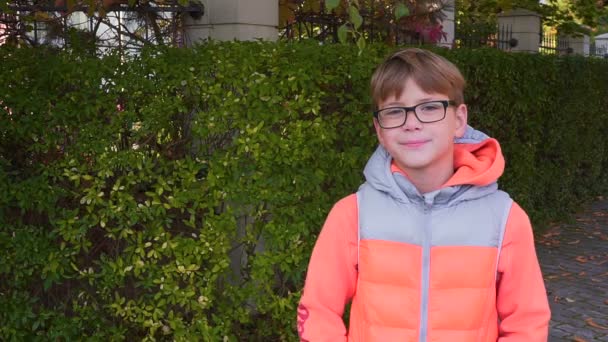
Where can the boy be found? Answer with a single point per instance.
(428, 249)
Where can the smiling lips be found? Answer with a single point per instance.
(414, 143)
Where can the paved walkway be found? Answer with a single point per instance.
(574, 260)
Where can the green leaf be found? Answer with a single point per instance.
(48, 282)
(331, 4)
(361, 43)
(355, 17)
(401, 11)
(343, 33)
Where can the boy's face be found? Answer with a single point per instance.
(422, 148)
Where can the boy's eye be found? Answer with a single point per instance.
(430, 107)
(393, 112)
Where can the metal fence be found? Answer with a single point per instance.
(324, 27)
(598, 51)
(377, 26)
(552, 44)
(485, 36)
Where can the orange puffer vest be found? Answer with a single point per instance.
(427, 263)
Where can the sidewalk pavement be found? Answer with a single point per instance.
(574, 261)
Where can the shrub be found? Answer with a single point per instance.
(178, 194)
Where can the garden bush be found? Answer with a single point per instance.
(177, 194)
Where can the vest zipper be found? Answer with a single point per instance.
(426, 266)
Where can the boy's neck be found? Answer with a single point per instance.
(426, 184)
(428, 180)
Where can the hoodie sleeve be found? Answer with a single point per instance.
(332, 276)
(521, 301)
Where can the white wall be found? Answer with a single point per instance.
(449, 25)
(234, 19)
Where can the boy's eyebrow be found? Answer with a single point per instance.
(421, 100)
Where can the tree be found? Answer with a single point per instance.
(588, 12)
(571, 14)
(391, 21)
(566, 16)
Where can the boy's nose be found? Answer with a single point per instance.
(411, 121)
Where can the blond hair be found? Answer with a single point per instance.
(431, 72)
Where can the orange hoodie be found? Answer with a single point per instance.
(521, 303)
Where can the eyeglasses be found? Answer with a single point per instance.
(426, 112)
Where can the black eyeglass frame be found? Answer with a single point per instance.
(445, 103)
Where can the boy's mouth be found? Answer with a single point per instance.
(414, 143)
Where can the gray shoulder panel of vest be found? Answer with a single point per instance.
(478, 222)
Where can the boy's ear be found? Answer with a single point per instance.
(461, 114)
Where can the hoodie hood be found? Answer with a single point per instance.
(478, 163)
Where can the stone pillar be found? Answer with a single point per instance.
(579, 44)
(526, 26)
(234, 19)
(448, 24)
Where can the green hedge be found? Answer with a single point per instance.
(123, 224)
